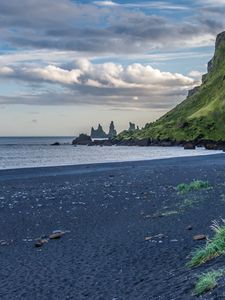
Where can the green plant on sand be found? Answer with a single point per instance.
(207, 281)
(213, 248)
(193, 186)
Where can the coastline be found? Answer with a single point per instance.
(94, 156)
(109, 210)
(105, 166)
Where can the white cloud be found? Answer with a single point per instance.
(135, 98)
(135, 85)
(212, 2)
(106, 75)
(154, 4)
(195, 74)
(106, 3)
(6, 71)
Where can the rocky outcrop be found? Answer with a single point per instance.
(189, 146)
(112, 131)
(98, 133)
(132, 127)
(193, 91)
(55, 144)
(82, 139)
(211, 145)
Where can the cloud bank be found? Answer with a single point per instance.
(104, 26)
(107, 83)
(39, 39)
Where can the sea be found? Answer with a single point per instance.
(26, 152)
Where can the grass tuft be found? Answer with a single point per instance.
(193, 186)
(207, 281)
(213, 248)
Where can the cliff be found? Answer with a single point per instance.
(201, 116)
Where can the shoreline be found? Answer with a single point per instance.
(126, 229)
(115, 162)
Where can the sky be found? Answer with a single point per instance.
(68, 65)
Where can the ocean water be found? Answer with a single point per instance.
(27, 152)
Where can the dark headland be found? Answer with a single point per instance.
(128, 231)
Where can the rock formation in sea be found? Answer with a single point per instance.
(112, 131)
(98, 133)
(82, 139)
(132, 126)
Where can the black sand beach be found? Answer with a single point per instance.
(110, 212)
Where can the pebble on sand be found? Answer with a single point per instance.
(40, 242)
(57, 234)
(199, 237)
(189, 227)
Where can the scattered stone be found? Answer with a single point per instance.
(160, 236)
(199, 237)
(158, 215)
(4, 243)
(147, 216)
(157, 236)
(40, 242)
(189, 227)
(57, 234)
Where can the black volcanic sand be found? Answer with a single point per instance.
(109, 210)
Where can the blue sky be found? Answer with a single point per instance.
(67, 65)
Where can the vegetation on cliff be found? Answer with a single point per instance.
(201, 116)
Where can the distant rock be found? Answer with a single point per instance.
(189, 146)
(211, 146)
(55, 144)
(132, 127)
(112, 131)
(82, 139)
(98, 133)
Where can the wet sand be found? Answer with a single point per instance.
(126, 224)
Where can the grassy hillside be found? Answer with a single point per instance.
(201, 115)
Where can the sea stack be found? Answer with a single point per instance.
(112, 131)
(98, 133)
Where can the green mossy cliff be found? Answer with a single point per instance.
(201, 116)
